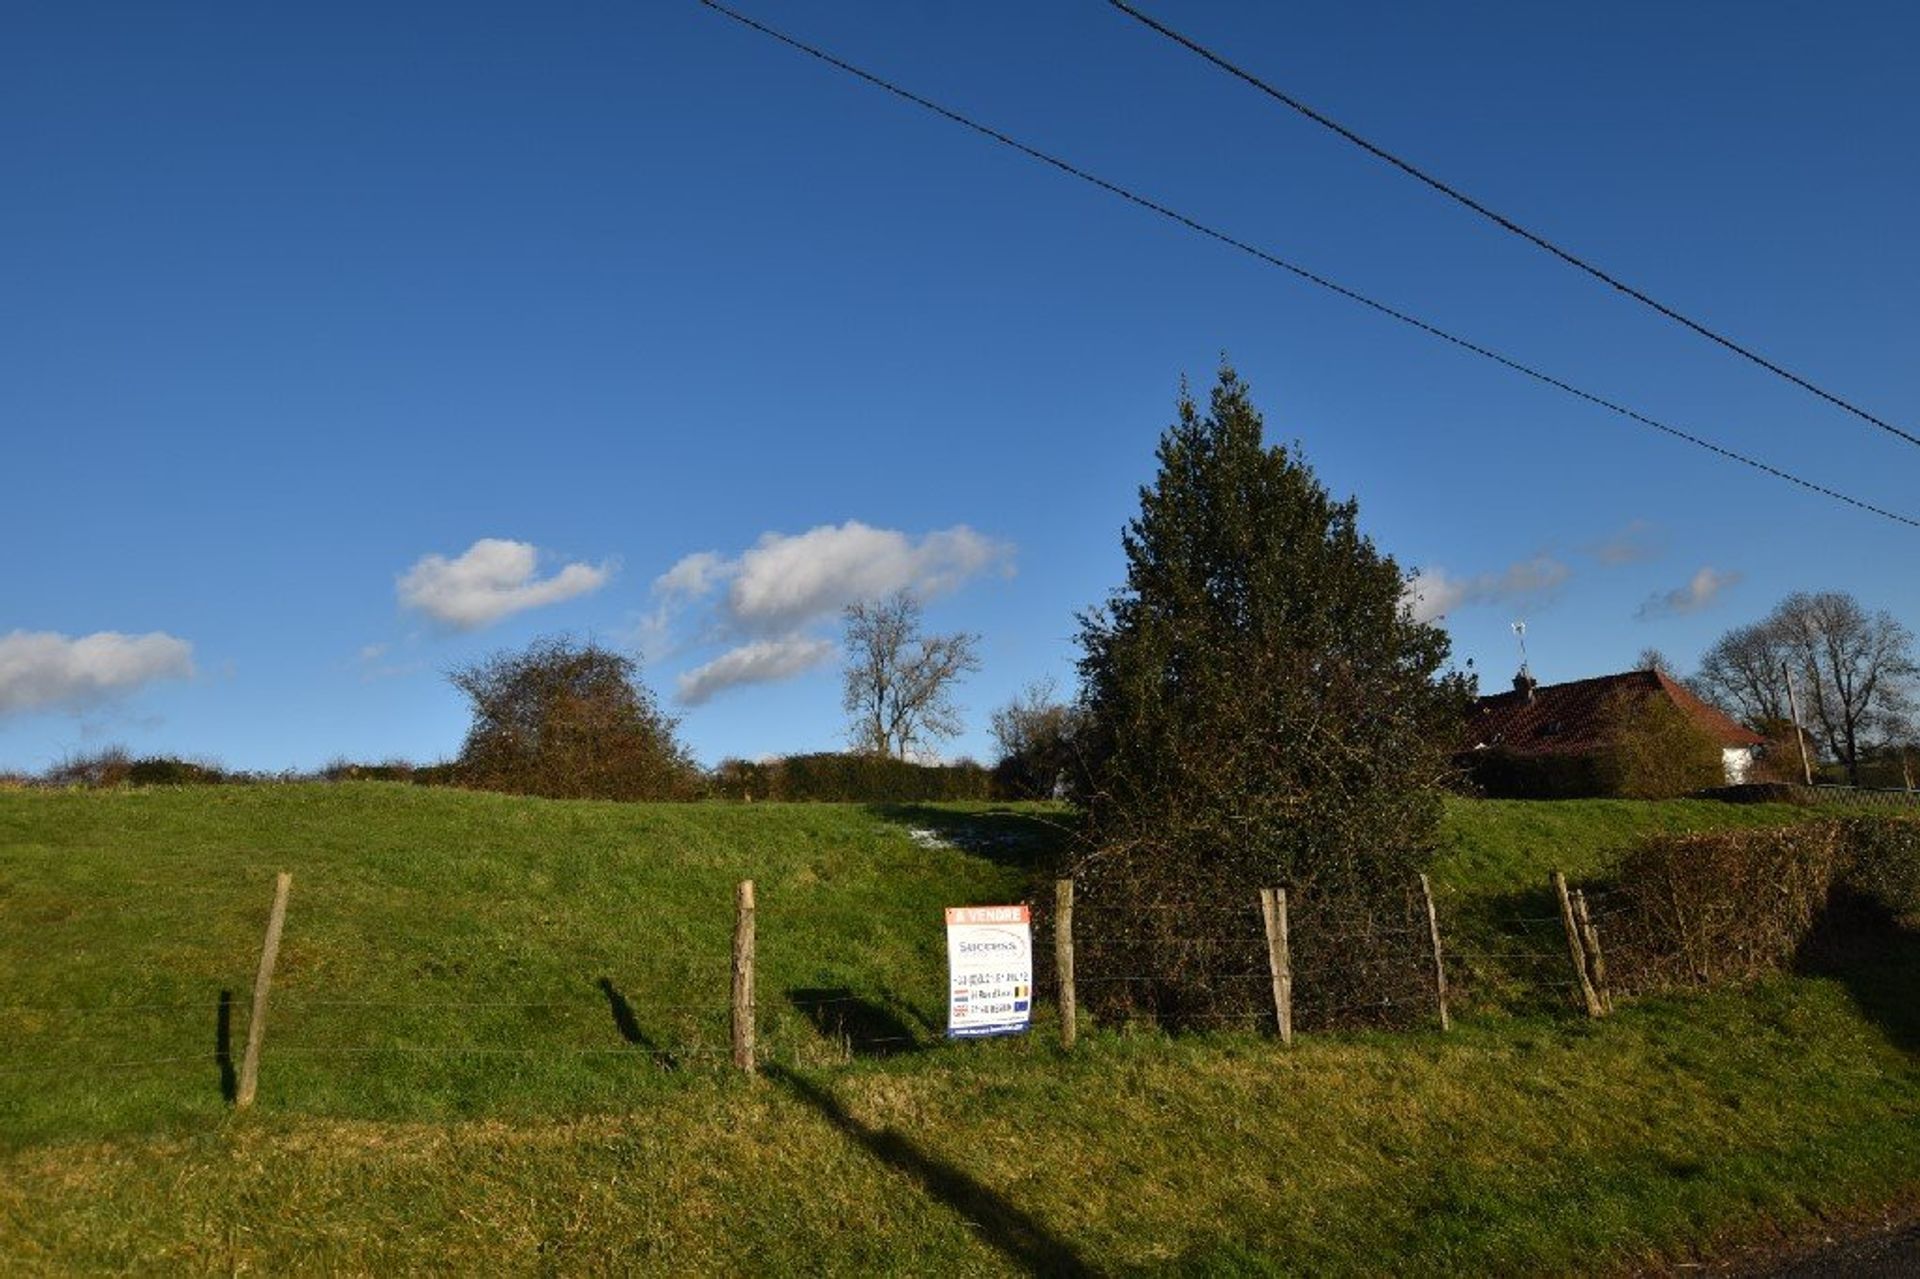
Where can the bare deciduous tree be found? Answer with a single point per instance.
(1853, 671)
(1858, 669)
(899, 682)
(1652, 659)
(1743, 674)
(1035, 734)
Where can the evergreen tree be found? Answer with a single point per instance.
(1260, 709)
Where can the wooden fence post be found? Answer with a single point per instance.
(262, 983)
(1439, 966)
(1575, 948)
(1273, 909)
(1063, 957)
(743, 977)
(1590, 942)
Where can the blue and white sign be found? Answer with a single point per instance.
(989, 971)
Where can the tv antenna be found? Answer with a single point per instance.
(1520, 632)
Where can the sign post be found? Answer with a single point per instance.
(989, 971)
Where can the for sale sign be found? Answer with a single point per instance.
(989, 970)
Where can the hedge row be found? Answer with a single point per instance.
(849, 779)
(1702, 909)
(821, 777)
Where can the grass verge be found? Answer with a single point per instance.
(547, 1124)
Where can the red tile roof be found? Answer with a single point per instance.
(1570, 719)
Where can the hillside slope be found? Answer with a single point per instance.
(496, 1025)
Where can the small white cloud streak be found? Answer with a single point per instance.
(1636, 542)
(44, 669)
(1433, 593)
(1701, 590)
(761, 662)
(492, 579)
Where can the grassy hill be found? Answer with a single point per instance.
(497, 1030)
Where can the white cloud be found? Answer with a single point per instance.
(693, 576)
(492, 579)
(40, 669)
(1433, 593)
(788, 584)
(1702, 589)
(789, 579)
(760, 662)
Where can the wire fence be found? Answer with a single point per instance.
(1324, 964)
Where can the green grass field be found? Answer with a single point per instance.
(497, 1032)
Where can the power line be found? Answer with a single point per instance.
(1295, 269)
(1504, 222)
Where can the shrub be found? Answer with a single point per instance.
(1709, 908)
(1507, 774)
(570, 721)
(108, 767)
(169, 770)
(1886, 863)
(392, 770)
(1654, 751)
(444, 773)
(849, 778)
(1035, 734)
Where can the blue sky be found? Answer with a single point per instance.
(296, 301)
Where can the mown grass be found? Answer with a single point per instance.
(1505, 845)
(596, 1132)
(449, 954)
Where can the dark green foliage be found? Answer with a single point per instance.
(392, 770)
(169, 770)
(1500, 773)
(1886, 863)
(570, 721)
(848, 778)
(1260, 709)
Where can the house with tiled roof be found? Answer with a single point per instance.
(1554, 727)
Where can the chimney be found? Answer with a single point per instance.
(1525, 683)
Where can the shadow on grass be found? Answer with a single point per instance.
(1876, 959)
(628, 1025)
(1008, 836)
(1016, 1235)
(867, 1028)
(1509, 952)
(223, 1047)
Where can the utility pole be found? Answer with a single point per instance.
(1799, 735)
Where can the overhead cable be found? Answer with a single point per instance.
(1505, 223)
(1295, 269)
